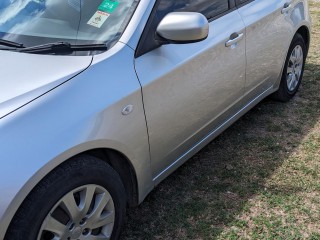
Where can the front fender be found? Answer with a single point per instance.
(81, 114)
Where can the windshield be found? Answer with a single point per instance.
(35, 22)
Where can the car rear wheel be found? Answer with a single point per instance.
(81, 199)
(293, 70)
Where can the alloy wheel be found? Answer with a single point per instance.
(85, 213)
(294, 69)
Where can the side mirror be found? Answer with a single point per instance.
(184, 27)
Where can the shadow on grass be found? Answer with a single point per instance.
(205, 195)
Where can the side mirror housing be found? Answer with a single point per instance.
(183, 27)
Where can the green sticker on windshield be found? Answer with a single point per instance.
(108, 6)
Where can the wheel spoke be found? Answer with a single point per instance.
(290, 70)
(54, 226)
(299, 67)
(299, 55)
(292, 83)
(296, 80)
(298, 72)
(86, 199)
(104, 220)
(100, 203)
(297, 51)
(98, 237)
(289, 79)
(294, 56)
(69, 204)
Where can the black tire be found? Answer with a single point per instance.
(80, 171)
(284, 94)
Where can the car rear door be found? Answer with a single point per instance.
(268, 32)
(190, 89)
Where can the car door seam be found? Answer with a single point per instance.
(245, 53)
(144, 110)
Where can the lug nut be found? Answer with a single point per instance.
(71, 226)
(83, 221)
(85, 231)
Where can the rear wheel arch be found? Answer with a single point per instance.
(293, 69)
(305, 33)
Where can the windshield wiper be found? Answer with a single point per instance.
(10, 44)
(62, 47)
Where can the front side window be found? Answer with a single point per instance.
(239, 2)
(34, 22)
(209, 8)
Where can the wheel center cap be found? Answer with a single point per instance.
(76, 233)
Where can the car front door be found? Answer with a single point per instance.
(267, 35)
(190, 89)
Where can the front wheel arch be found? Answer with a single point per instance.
(122, 165)
(76, 172)
(119, 161)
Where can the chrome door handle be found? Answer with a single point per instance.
(234, 38)
(286, 8)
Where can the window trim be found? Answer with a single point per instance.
(239, 4)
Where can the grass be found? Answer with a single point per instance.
(260, 179)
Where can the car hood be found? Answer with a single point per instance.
(25, 77)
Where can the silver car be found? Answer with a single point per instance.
(100, 100)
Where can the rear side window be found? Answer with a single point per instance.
(209, 8)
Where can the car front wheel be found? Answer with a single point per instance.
(81, 199)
